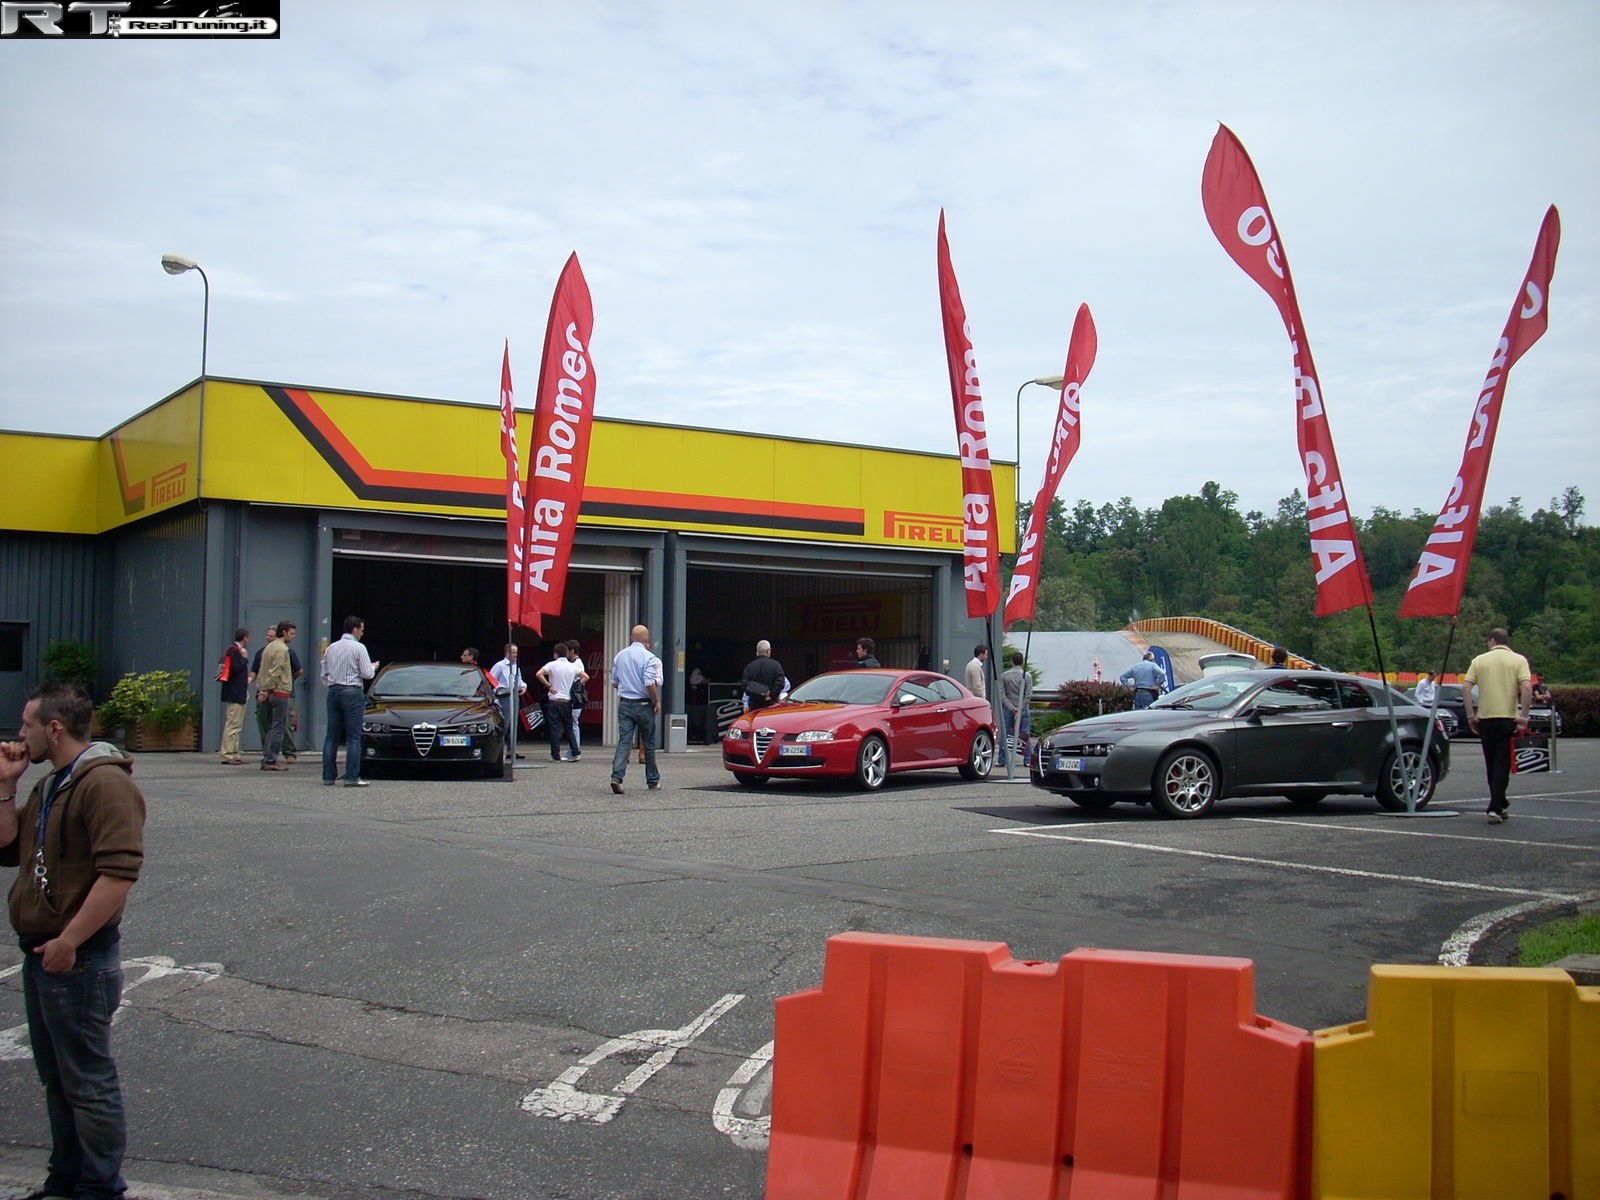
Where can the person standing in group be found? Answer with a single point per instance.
(263, 711)
(346, 666)
(1016, 695)
(274, 688)
(559, 675)
(234, 674)
(763, 681)
(637, 675)
(864, 649)
(1499, 713)
(1146, 678)
(976, 680)
(579, 696)
(507, 676)
(81, 833)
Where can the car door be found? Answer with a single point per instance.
(917, 714)
(1293, 734)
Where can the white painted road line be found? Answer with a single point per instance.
(1457, 949)
(562, 1101)
(1454, 884)
(1339, 827)
(748, 1132)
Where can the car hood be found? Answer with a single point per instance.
(789, 717)
(1149, 720)
(435, 712)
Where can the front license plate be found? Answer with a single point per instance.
(454, 739)
(1068, 764)
(794, 751)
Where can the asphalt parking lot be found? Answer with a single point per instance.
(538, 989)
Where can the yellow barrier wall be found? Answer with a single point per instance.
(1479, 1083)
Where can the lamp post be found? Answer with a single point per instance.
(176, 264)
(1049, 381)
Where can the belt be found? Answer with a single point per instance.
(280, 694)
(1150, 689)
(634, 699)
(346, 685)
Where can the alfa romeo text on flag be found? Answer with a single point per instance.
(1064, 442)
(1236, 207)
(560, 452)
(980, 547)
(1435, 588)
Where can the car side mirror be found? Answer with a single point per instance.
(903, 699)
(1269, 709)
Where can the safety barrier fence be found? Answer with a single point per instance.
(929, 1067)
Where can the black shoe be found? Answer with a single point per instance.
(616, 786)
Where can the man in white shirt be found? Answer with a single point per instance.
(345, 667)
(559, 674)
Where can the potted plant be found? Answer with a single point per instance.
(156, 710)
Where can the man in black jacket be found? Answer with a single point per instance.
(234, 673)
(763, 682)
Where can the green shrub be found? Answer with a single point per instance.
(162, 699)
(1080, 698)
(71, 660)
(1579, 708)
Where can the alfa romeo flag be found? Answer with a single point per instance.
(1236, 207)
(560, 452)
(980, 546)
(1435, 589)
(514, 510)
(1064, 442)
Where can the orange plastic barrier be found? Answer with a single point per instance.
(927, 1067)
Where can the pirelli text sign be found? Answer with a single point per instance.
(922, 529)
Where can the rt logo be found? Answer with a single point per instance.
(46, 18)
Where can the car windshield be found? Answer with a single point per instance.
(1208, 694)
(844, 687)
(430, 680)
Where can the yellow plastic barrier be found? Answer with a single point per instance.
(1479, 1083)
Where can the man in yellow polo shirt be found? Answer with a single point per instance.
(1500, 712)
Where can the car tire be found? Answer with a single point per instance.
(872, 763)
(1093, 803)
(980, 758)
(1186, 785)
(1391, 783)
(753, 781)
(1307, 798)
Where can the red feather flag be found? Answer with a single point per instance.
(1435, 589)
(1064, 443)
(980, 541)
(560, 455)
(514, 509)
(1236, 207)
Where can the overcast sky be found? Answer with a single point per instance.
(384, 194)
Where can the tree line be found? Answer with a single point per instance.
(1537, 574)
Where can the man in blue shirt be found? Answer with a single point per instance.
(1146, 679)
(637, 675)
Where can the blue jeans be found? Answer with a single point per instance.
(346, 704)
(559, 723)
(69, 1025)
(1011, 720)
(635, 716)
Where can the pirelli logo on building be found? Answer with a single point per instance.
(922, 529)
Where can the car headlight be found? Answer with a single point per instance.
(735, 734)
(814, 735)
(372, 727)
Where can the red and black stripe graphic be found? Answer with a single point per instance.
(367, 482)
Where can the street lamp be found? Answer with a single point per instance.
(1049, 381)
(176, 264)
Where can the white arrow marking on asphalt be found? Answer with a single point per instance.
(562, 1100)
(748, 1133)
(14, 1045)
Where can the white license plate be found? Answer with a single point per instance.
(454, 739)
(801, 751)
(1068, 764)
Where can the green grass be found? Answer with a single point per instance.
(1549, 943)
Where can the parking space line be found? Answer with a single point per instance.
(1427, 833)
(1047, 832)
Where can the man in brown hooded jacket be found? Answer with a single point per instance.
(80, 839)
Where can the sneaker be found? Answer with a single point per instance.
(575, 758)
(653, 787)
(356, 783)
(1496, 818)
(616, 786)
(274, 766)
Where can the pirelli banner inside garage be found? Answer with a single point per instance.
(279, 444)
